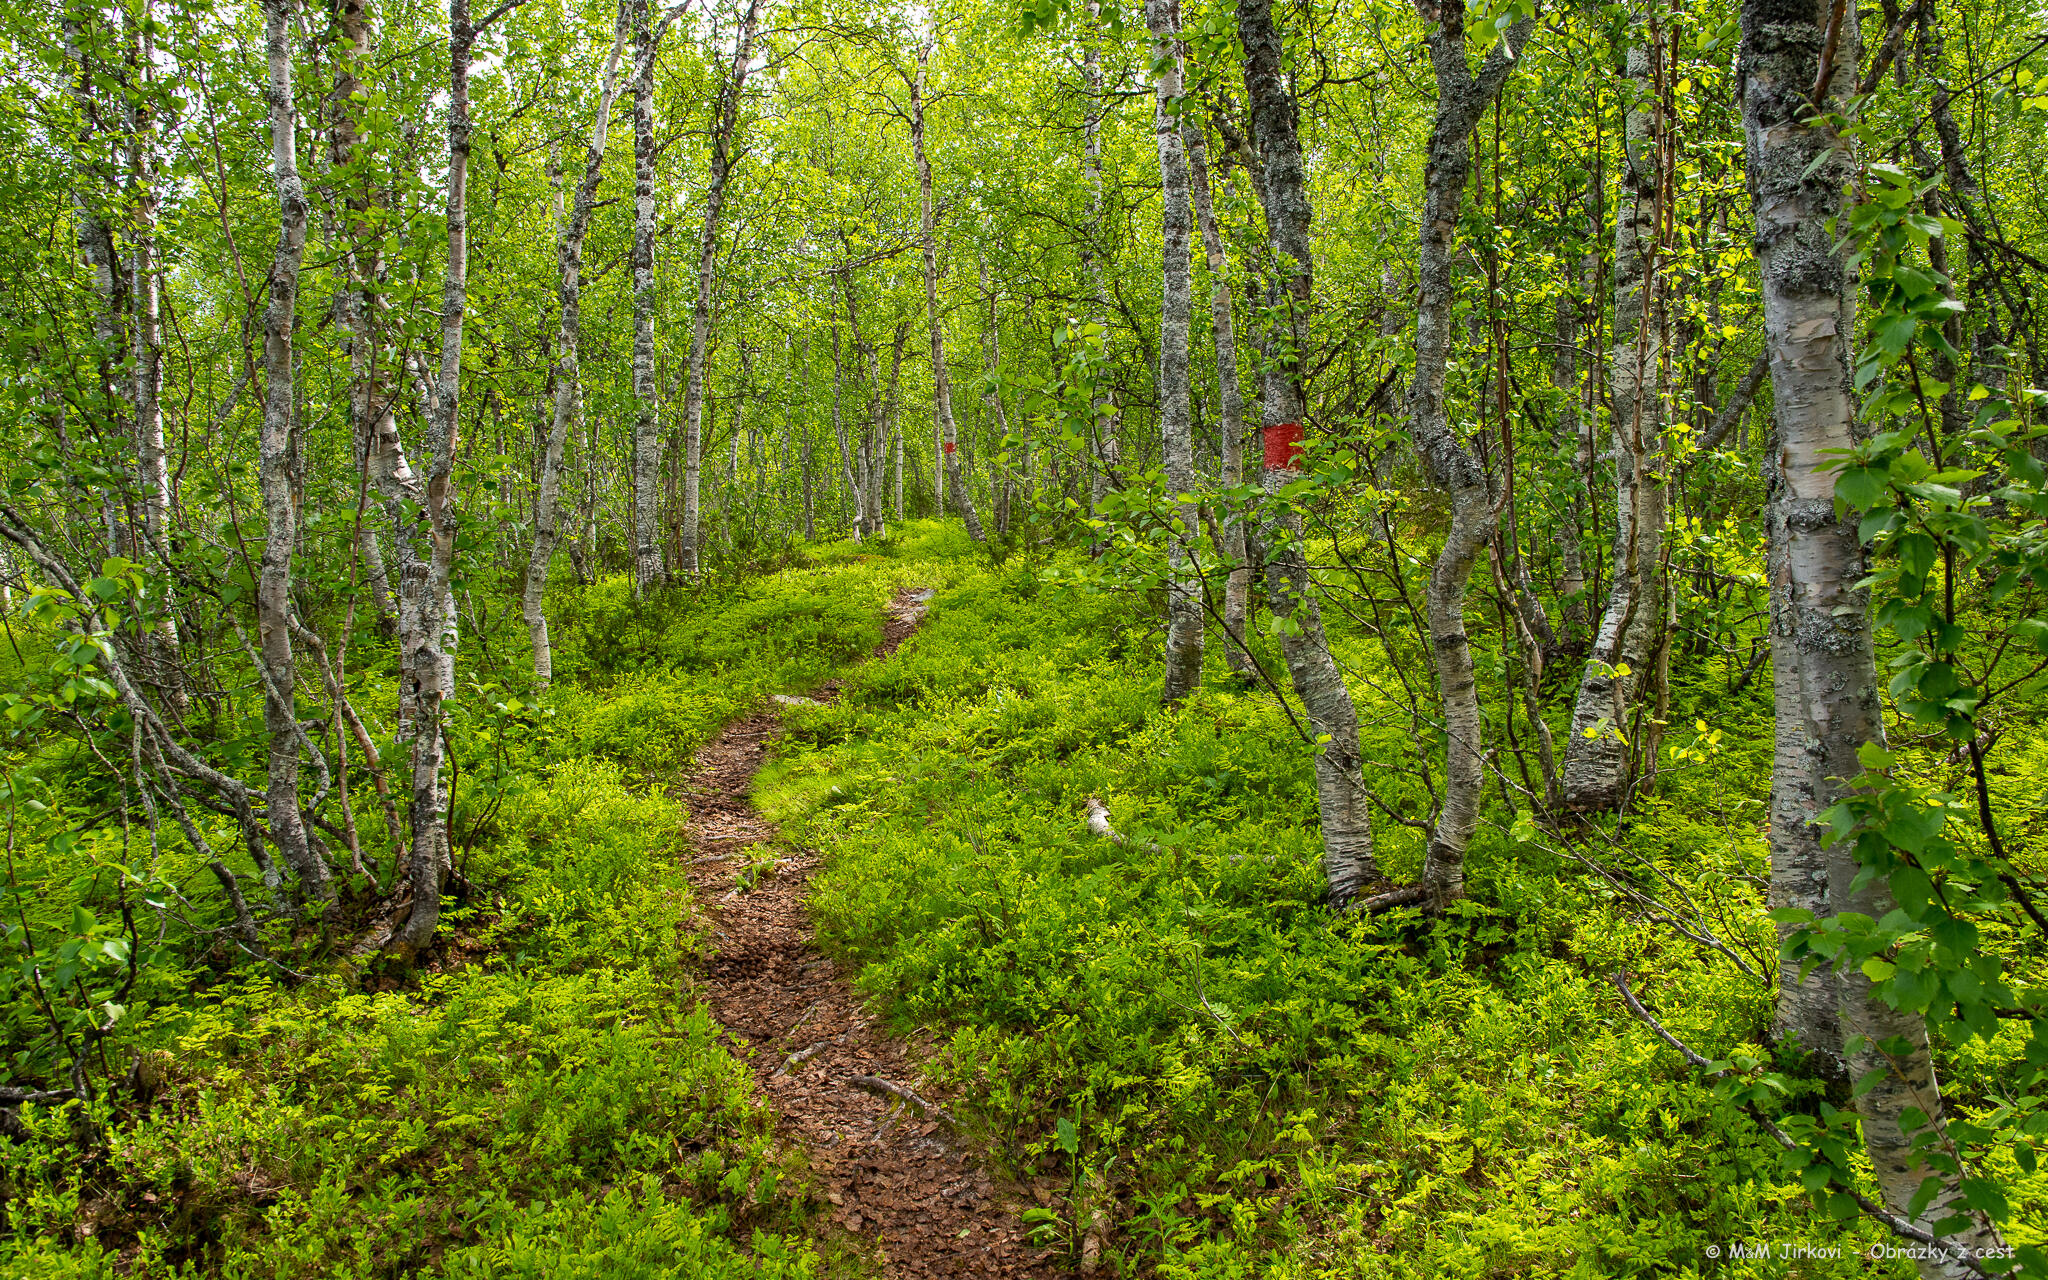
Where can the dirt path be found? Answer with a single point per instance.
(896, 1179)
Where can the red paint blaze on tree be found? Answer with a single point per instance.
(949, 446)
(1283, 446)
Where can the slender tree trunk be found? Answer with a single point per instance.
(431, 673)
(1101, 443)
(1599, 760)
(726, 121)
(1462, 98)
(803, 357)
(648, 570)
(1821, 644)
(1176, 316)
(942, 382)
(1349, 865)
(1564, 375)
(280, 516)
(992, 405)
(568, 407)
(892, 432)
(895, 410)
(1230, 398)
(839, 429)
(144, 292)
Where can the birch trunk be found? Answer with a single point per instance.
(1564, 376)
(1349, 865)
(726, 121)
(1599, 762)
(1230, 399)
(803, 357)
(568, 407)
(1461, 99)
(891, 433)
(144, 292)
(362, 266)
(648, 570)
(1821, 644)
(1091, 255)
(280, 514)
(895, 410)
(1176, 315)
(942, 382)
(839, 432)
(431, 673)
(1000, 486)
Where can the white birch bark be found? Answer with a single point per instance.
(725, 121)
(1821, 643)
(1176, 316)
(430, 675)
(1599, 761)
(1462, 97)
(648, 570)
(942, 382)
(1000, 469)
(1230, 399)
(568, 407)
(1349, 864)
(280, 514)
(144, 292)
(358, 302)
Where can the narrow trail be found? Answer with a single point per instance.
(843, 1089)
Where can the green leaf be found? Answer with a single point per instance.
(1862, 487)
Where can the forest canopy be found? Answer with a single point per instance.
(1439, 514)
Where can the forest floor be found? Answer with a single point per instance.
(903, 1187)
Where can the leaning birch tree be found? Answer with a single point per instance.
(1349, 863)
(1462, 96)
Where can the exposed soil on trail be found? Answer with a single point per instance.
(897, 1179)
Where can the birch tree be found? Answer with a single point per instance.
(1822, 651)
(1349, 864)
(1176, 443)
(1462, 97)
(1229, 398)
(724, 122)
(648, 569)
(280, 513)
(568, 406)
(429, 675)
(942, 382)
(1598, 760)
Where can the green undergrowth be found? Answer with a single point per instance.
(547, 1097)
(1172, 1031)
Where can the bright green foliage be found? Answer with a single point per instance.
(1269, 1090)
(338, 1125)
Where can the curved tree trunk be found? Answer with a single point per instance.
(1177, 305)
(942, 382)
(568, 415)
(1599, 760)
(1461, 98)
(1349, 864)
